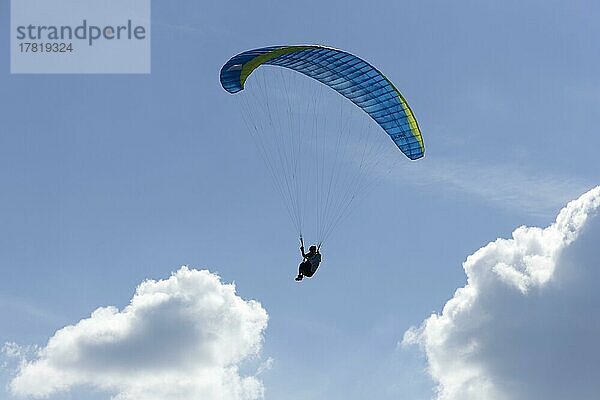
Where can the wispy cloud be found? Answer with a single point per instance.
(510, 186)
(30, 310)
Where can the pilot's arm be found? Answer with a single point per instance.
(302, 251)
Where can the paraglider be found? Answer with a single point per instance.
(310, 261)
(317, 172)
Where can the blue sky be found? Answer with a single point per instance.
(108, 180)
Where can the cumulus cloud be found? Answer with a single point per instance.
(526, 324)
(180, 338)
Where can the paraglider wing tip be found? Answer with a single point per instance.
(229, 76)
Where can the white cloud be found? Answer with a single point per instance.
(179, 338)
(526, 324)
